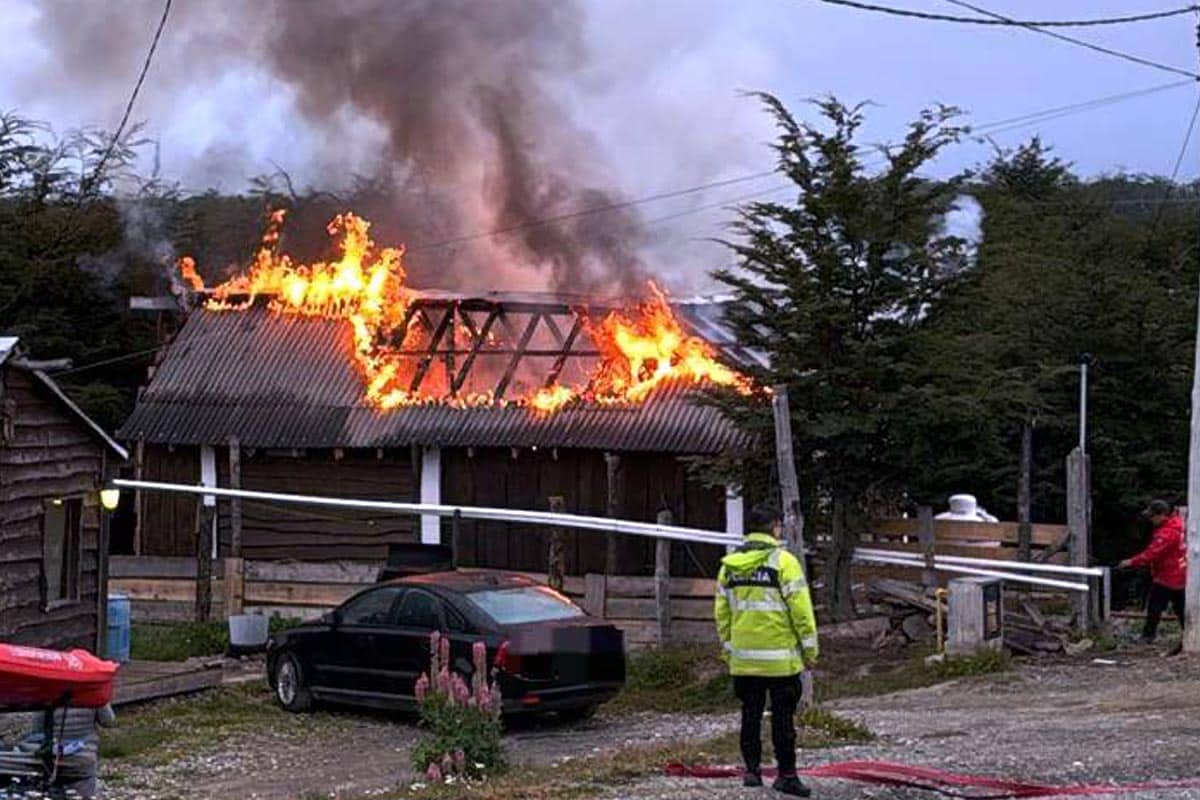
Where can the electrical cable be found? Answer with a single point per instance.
(1073, 23)
(1187, 139)
(1078, 42)
(137, 87)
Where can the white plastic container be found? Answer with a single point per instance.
(247, 631)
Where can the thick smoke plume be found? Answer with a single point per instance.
(463, 96)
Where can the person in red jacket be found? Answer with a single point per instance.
(1166, 556)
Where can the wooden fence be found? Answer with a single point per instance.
(648, 609)
(163, 590)
(1000, 541)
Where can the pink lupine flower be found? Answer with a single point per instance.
(434, 773)
(447, 764)
(444, 654)
(443, 682)
(460, 761)
(422, 687)
(460, 690)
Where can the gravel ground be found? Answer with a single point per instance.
(362, 755)
(1062, 723)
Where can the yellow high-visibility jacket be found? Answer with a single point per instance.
(764, 610)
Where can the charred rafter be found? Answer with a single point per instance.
(509, 371)
(431, 352)
(480, 339)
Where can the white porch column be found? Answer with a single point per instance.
(431, 492)
(734, 512)
(208, 477)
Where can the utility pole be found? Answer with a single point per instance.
(1191, 629)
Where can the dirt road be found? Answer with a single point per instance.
(1059, 723)
(1135, 721)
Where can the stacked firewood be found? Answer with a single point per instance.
(911, 610)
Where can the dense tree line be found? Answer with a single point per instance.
(914, 356)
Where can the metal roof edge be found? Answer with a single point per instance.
(100, 433)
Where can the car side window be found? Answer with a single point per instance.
(420, 610)
(371, 608)
(454, 620)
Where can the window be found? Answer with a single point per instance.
(420, 610)
(62, 546)
(527, 604)
(454, 620)
(371, 608)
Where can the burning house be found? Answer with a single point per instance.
(338, 379)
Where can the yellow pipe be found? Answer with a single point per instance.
(940, 595)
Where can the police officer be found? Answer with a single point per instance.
(766, 625)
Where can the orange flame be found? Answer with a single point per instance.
(640, 348)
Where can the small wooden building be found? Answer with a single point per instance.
(261, 400)
(53, 545)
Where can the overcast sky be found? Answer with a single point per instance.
(657, 89)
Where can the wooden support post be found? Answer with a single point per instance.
(235, 503)
(556, 559)
(925, 532)
(1025, 496)
(102, 548)
(139, 508)
(235, 585)
(1078, 495)
(789, 484)
(662, 581)
(612, 509)
(204, 563)
(595, 594)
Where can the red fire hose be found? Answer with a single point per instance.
(951, 784)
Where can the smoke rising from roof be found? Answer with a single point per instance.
(462, 96)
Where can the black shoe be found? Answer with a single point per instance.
(751, 779)
(1176, 650)
(791, 785)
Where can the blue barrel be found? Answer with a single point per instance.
(116, 644)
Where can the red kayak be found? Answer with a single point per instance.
(31, 677)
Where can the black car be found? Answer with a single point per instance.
(547, 653)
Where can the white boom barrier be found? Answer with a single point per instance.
(1006, 566)
(602, 524)
(899, 560)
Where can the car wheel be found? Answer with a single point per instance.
(578, 714)
(290, 691)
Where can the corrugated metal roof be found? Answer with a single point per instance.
(289, 382)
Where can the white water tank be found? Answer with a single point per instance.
(965, 508)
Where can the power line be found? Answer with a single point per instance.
(1078, 42)
(587, 211)
(137, 87)
(106, 362)
(1039, 23)
(1187, 138)
(1071, 23)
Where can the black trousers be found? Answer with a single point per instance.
(1161, 597)
(785, 696)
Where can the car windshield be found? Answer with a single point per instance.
(526, 604)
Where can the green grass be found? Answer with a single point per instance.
(693, 679)
(184, 640)
(690, 679)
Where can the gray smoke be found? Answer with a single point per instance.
(463, 93)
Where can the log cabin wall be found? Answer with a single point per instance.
(525, 478)
(308, 533)
(50, 469)
(168, 521)
(280, 531)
